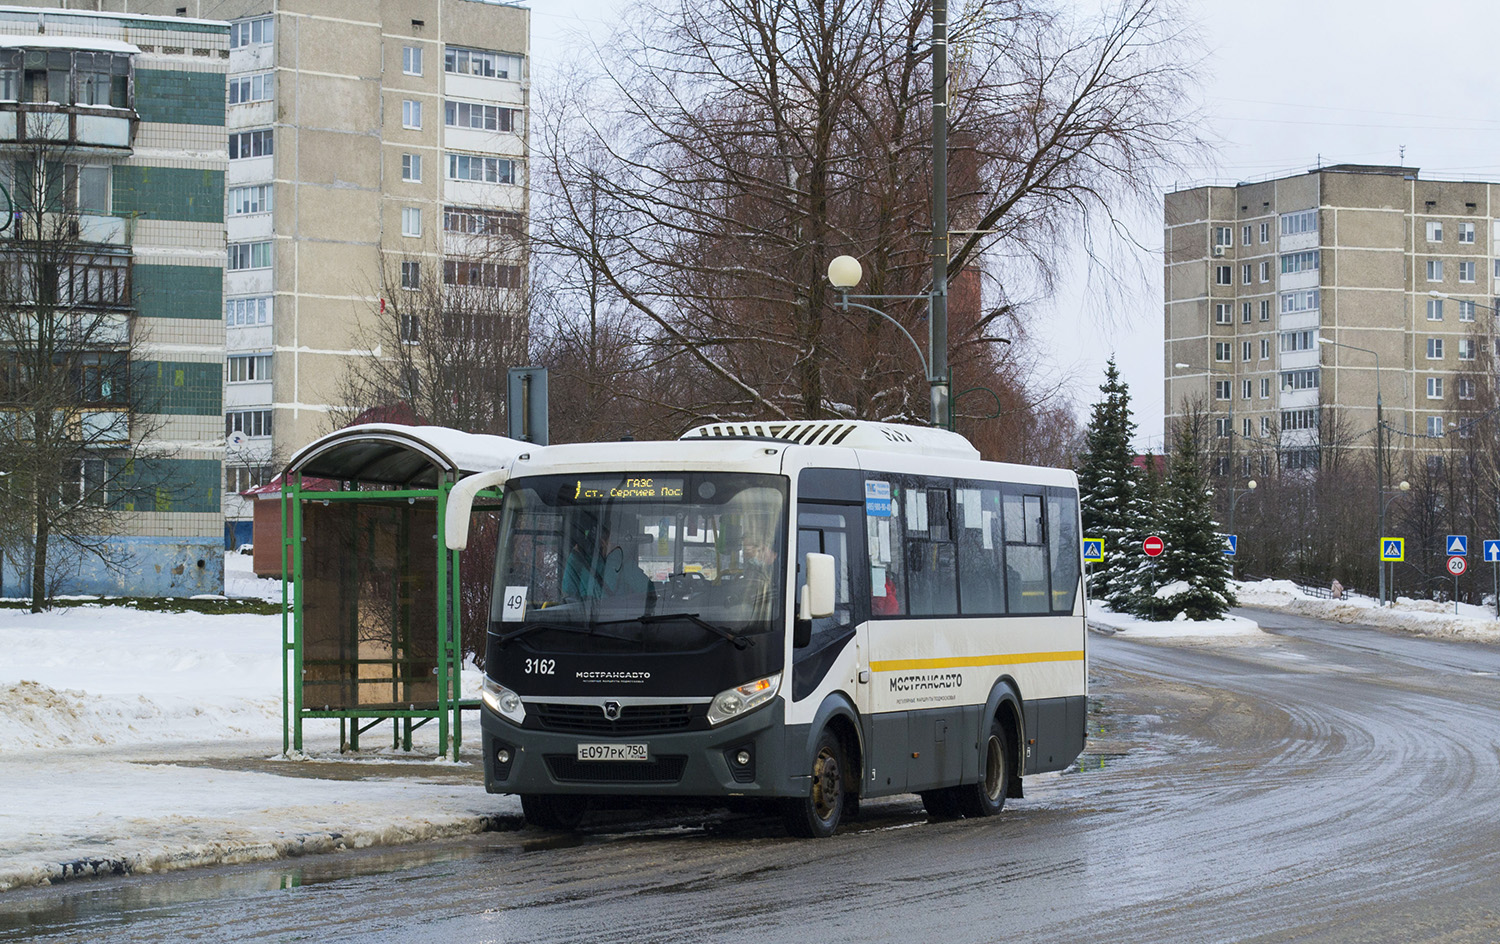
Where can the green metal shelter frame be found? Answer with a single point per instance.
(371, 628)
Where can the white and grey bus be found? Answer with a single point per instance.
(804, 612)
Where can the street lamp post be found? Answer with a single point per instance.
(1379, 455)
(844, 272)
(1386, 497)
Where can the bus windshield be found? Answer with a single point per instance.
(643, 562)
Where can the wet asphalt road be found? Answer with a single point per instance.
(1327, 784)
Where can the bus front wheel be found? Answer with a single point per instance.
(817, 815)
(987, 797)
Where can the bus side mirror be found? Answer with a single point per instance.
(818, 591)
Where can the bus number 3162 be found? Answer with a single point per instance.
(541, 666)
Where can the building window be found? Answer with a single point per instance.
(1245, 349)
(253, 199)
(411, 221)
(1303, 221)
(1247, 389)
(251, 88)
(1265, 426)
(1265, 310)
(1299, 379)
(249, 255)
(1297, 459)
(473, 221)
(253, 423)
(1245, 234)
(1465, 311)
(1245, 271)
(1265, 233)
(242, 478)
(1434, 309)
(1265, 271)
(481, 117)
(411, 275)
(494, 65)
(1466, 271)
(1223, 275)
(1246, 429)
(1434, 349)
(1299, 262)
(1299, 419)
(1221, 351)
(489, 274)
(1434, 270)
(1435, 427)
(239, 312)
(1466, 232)
(1466, 388)
(411, 168)
(411, 114)
(244, 368)
(1245, 310)
(1293, 302)
(1265, 388)
(1222, 428)
(1306, 340)
(1221, 313)
(1265, 348)
(411, 329)
(1434, 388)
(1434, 231)
(411, 60)
(1466, 349)
(1221, 390)
(1223, 237)
(243, 144)
(258, 32)
(490, 170)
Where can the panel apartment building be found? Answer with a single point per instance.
(1259, 276)
(370, 142)
(112, 147)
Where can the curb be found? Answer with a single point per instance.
(238, 853)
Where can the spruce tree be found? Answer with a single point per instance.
(1192, 575)
(1135, 588)
(1107, 484)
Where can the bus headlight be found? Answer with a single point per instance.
(502, 700)
(743, 698)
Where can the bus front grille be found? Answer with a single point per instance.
(568, 769)
(633, 720)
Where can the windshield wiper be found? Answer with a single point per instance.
(740, 642)
(528, 628)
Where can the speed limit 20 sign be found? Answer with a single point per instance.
(1457, 565)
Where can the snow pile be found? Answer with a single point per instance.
(240, 582)
(1237, 628)
(1419, 617)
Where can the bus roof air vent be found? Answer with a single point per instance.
(852, 434)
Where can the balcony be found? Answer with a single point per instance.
(77, 97)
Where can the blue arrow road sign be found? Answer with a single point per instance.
(1231, 544)
(1458, 544)
(1492, 551)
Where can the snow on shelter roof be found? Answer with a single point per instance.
(392, 454)
(12, 41)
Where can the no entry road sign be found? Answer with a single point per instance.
(1457, 565)
(1153, 546)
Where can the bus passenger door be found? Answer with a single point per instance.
(827, 529)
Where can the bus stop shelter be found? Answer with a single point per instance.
(371, 622)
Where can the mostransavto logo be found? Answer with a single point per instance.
(919, 683)
(604, 676)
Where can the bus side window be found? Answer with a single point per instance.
(981, 574)
(1026, 582)
(1062, 539)
(887, 556)
(931, 565)
(826, 531)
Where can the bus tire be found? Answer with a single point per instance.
(941, 804)
(817, 815)
(987, 797)
(555, 812)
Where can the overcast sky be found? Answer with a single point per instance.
(1286, 84)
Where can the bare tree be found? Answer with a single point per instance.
(77, 438)
(725, 152)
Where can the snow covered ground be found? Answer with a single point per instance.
(134, 741)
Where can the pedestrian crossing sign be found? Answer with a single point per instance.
(1093, 550)
(1392, 549)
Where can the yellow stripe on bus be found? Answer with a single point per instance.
(966, 662)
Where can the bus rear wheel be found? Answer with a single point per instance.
(817, 815)
(987, 797)
(556, 812)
